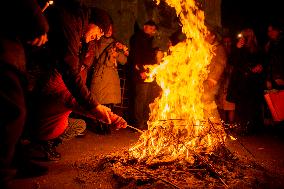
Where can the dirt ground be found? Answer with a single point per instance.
(267, 147)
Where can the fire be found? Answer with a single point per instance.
(179, 124)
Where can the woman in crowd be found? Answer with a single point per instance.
(247, 82)
(104, 81)
(274, 50)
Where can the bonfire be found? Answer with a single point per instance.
(184, 146)
(180, 125)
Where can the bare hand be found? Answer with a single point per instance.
(143, 75)
(279, 82)
(118, 121)
(39, 41)
(257, 69)
(122, 47)
(113, 52)
(102, 113)
(126, 53)
(268, 85)
(241, 42)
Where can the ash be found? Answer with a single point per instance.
(219, 169)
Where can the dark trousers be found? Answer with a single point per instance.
(48, 116)
(12, 116)
(145, 93)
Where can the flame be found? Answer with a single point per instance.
(179, 126)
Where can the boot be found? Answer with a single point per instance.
(49, 148)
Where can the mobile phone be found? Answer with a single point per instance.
(240, 35)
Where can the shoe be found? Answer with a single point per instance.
(31, 169)
(49, 149)
(82, 134)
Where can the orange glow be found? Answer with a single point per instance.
(178, 125)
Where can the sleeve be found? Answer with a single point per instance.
(218, 64)
(144, 53)
(138, 56)
(70, 65)
(121, 58)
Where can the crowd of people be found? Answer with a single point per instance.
(250, 72)
(59, 65)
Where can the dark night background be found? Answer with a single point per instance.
(254, 13)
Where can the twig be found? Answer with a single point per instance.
(46, 5)
(229, 133)
(170, 119)
(245, 148)
(140, 131)
(211, 168)
(216, 133)
(155, 177)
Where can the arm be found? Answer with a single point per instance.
(144, 53)
(121, 58)
(217, 64)
(122, 53)
(67, 46)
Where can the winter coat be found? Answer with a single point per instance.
(275, 61)
(105, 82)
(141, 53)
(68, 22)
(244, 84)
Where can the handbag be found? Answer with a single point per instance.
(275, 102)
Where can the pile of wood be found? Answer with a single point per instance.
(221, 169)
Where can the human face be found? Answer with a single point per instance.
(93, 33)
(150, 30)
(272, 33)
(109, 32)
(210, 37)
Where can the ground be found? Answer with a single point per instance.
(267, 147)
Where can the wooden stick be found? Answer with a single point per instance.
(45, 7)
(140, 131)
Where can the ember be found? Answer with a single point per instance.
(221, 169)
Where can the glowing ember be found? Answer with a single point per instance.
(180, 126)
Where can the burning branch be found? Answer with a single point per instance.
(46, 5)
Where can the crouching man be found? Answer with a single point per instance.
(63, 89)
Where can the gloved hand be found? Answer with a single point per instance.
(118, 121)
(102, 113)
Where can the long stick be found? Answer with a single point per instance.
(46, 5)
(229, 132)
(140, 131)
